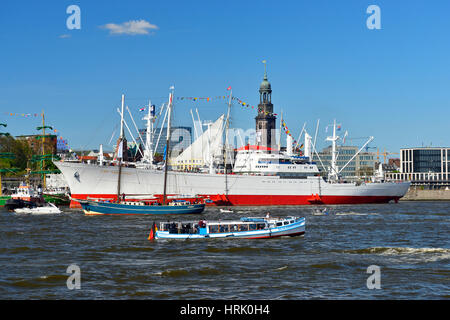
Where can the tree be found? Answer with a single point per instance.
(20, 150)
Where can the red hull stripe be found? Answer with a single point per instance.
(269, 200)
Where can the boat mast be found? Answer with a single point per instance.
(334, 155)
(100, 156)
(226, 142)
(120, 149)
(333, 174)
(149, 131)
(43, 151)
(121, 117)
(166, 162)
(279, 136)
(162, 125)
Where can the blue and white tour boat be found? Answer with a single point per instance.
(246, 228)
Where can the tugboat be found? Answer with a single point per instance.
(24, 197)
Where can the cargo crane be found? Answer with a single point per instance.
(385, 154)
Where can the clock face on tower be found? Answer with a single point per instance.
(260, 109)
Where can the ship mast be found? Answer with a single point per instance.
(226, 142)
(149, 132)
(44, 156)
(333, 174)
(166, 162)
(43, 150)
(279, 136)
(120, 149)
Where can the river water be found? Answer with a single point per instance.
(409, 243)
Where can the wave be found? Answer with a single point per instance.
(125, 249)
(398, 250)
(240, 249)
(39, 282)
(281, 268)
(416, 254)
(21, 249)
(330, 265)
(357, 214)
(175, 273)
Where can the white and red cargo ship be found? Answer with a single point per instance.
(93, 181)
(260, 176)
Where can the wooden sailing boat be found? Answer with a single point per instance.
(152, 206)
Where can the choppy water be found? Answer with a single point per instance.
(409, 241)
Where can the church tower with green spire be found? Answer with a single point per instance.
(265, 120)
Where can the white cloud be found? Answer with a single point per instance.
(132, 27)
(64, 36)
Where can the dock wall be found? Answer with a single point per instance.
(417, 194)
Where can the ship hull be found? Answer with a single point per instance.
(108, 208)
(95, 181)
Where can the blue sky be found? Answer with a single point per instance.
(323, 63)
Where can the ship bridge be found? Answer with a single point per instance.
(257, 160)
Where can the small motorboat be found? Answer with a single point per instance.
(226, 211)
(323, 212)
(25, 196)
(245, 228)
(48, 208)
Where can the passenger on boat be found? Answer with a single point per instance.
(268, 215)
(201, 224)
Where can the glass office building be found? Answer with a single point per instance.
(424, 160)
(425, 166)
(181, 138)
(362, 165)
